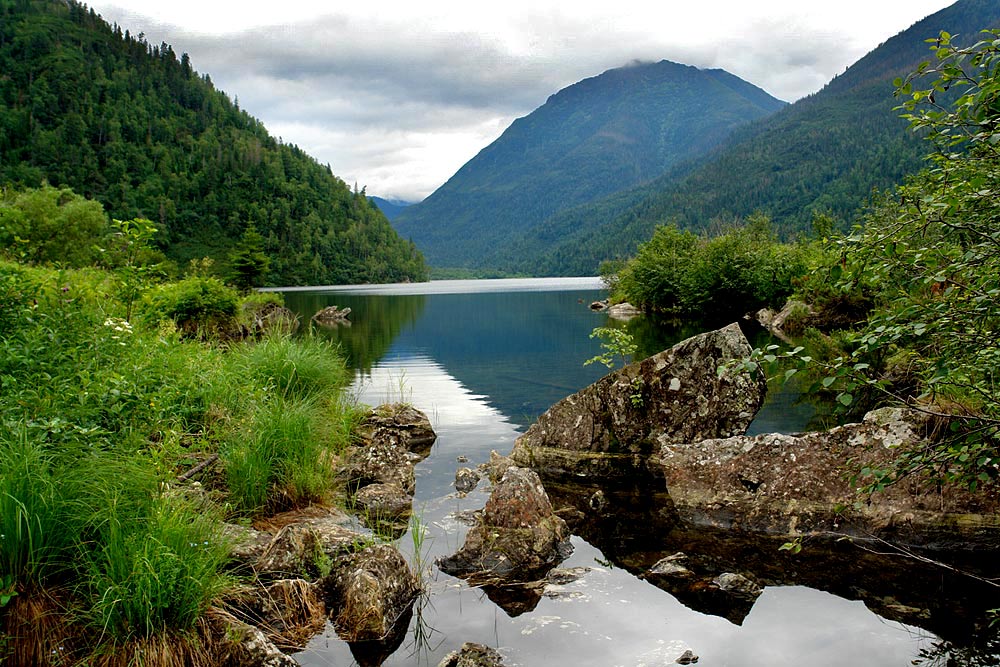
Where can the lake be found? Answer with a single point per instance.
(483, 359)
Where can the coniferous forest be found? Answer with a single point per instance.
(132, 125)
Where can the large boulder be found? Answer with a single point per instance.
(802, 484)
(371, 591)
(613, 428)
(307, 547)
(518, 538)
(410, 426)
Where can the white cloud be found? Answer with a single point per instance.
(397, 96)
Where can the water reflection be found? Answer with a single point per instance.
(483, 366)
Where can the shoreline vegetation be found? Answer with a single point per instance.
(114, 387)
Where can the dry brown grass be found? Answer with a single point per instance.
(36, 631)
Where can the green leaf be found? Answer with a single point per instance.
(845, 399)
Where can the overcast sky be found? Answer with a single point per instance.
(396, 96)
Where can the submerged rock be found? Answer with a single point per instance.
(623, 311)
(615, 427)
(472, 655)
(331, 314)
(518, 537)
(687, 658)
(466, 480)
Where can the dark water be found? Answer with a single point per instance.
(485, 358)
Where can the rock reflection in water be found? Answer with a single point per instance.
(637, 530)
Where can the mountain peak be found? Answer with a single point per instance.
(597, 136)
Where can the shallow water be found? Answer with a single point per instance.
(485, 358)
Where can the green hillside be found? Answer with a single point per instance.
(825, 153)
(596, 137)
(87, 106)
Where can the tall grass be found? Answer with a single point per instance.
(154, 570)
(39, 523)
(301, 368)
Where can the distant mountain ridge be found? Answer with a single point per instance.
(390, 207)
(599, 136)
(823, 154)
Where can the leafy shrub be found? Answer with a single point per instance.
(52, 225)
(740, 271)
(200, 305)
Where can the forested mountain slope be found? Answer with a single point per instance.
(86, 106)
(824, 153)
(598, 136)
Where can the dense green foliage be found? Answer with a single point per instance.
(927, 264)
(99, 416)
(823, 154)
(712, 278)
(593, 138)
(133, 126)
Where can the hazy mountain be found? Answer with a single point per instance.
(391, 208)
(824, 153)
(596, 137)
(86, 106)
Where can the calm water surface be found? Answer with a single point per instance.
(483, 359)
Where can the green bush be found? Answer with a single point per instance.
(724, 277)
(199, 305)
(52, 226)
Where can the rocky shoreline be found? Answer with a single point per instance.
(669, 429)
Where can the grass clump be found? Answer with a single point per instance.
(154, 570)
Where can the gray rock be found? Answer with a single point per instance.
(472, 655)
(307, 547)
(331, 314)
(466, 480)
(381, 458)
(495, 468)
(613, 428)
(687, 658)
(408, 425)
(800, 484)
(248, 544)
(370, 592)
(518, 538)
(380, 504)
(623, 311)
(242, 645)
(672, 566)
(737, 584)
